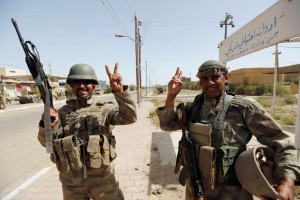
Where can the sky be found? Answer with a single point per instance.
(174, 34)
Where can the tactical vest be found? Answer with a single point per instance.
(215, 157)
(86, 141)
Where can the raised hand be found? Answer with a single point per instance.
(54, 117)
(115, 79)
(175, 84)
(174, 87)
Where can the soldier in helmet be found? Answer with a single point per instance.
(222, 124)
(84, 147)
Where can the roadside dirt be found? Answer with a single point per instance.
(164, 181)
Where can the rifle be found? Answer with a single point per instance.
(35, 67)
(186, 156)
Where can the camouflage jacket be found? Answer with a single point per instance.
(106, 115)
(244, 118)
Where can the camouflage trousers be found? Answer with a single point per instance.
(100, 184)
(228, 193)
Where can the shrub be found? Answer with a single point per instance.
(290, 99)
(68, 91)
(239, 89)
(295, 80)
(249, 90)
(131, 87)
(264, 89)
(107, 90)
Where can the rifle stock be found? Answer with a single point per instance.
(189, 153)
(41, 81)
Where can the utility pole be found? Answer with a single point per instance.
(226, 23)
(140, 59)
(50, 68)
(276, 76)
(137, 42)
(137, 57)
(146, 79)
(50, 71)
(276, 60)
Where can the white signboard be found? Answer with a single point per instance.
(279, 23)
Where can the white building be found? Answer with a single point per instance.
(7, 71)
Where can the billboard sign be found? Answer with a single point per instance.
(279, 23)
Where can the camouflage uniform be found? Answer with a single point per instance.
(89, 124)
(244, 118)
(2, 99)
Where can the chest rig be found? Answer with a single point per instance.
(87, 141)
(216, 156)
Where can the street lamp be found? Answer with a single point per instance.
(137, 58)
(120, 36)
(226, 23)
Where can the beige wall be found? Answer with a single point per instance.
(263, 75)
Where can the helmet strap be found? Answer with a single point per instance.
(82, 98)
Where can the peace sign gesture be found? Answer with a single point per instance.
(175, 84)
(115, 79)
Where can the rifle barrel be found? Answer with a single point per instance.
(20, 36)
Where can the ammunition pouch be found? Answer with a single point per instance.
(101, 150)
(71, 148)
(62, 162)
(206, 157)
(226, 156)
(93, 149)
(216, 164)
(71, 153)
(105, 150)
(201, 133)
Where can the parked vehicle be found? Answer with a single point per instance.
(31, 98)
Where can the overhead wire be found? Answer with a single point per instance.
(129, 9)
(183, 21)
(114, 15)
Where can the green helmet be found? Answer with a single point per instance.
(82, 72)
(211, 66)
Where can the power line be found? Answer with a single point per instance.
(129, 9)
(175, 22)
(114, 15)
(185, 19)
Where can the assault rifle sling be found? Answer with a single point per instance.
(35, 67)
(189, 153)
